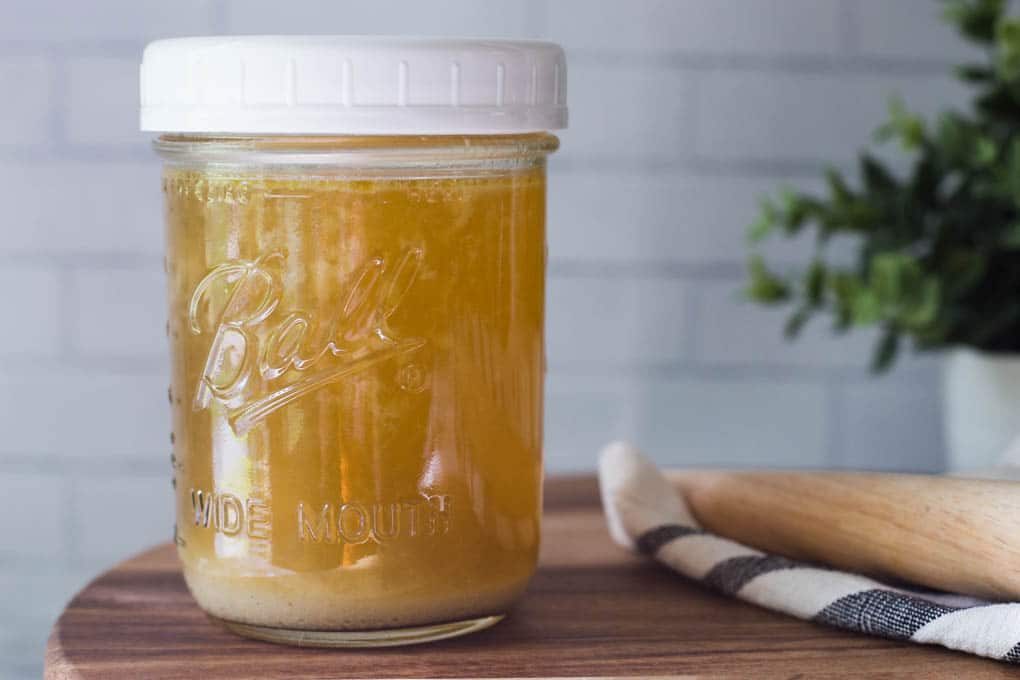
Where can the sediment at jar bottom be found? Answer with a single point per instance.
(302, 602)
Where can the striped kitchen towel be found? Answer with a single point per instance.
(647, 515)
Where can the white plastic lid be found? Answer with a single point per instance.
(358, 85)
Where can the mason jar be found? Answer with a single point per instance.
(355, 257)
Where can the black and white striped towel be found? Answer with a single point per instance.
(646, 514)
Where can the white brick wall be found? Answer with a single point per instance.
(719, 27)
(35, 526)
(658, 216)
(117, 313)
(27, 114)
(636, 114)
(98, 410)
(683, 113)
(102, 101)
(747, 114)
(607, 321)
(98, 23)
(95, 214)
(890, 426)
(882, 28)
(121, 516)
(730, 422)
(438, 17)
(735, 334)
(34, 323)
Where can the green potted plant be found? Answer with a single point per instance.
(937, 245)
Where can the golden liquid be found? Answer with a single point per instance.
(357, 393)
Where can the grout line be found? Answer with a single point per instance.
(77, 364)
(644, 269)
(739, 372)
(838, 64)
(83, 467)
(695, 164)
(76, 153)
(71, 260)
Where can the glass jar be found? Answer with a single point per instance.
(356, 309)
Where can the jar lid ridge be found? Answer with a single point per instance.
(352, 85)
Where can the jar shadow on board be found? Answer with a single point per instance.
(355, 252)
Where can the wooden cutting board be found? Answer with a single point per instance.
(592, 610)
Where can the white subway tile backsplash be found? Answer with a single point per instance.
(722, 27)
(772, 115)
(84, 414)
(619, 111)
(583, 414)
(102, 21)
(493, 18)
(731, 422)
(909, 29)
(103, 102)
(31, 300)
(615, 215)
(77, 207)
(892, 426)
(35, 523)
(125, 515)
(607, 321)
(120, 312)
(731, 330)
(28, 101)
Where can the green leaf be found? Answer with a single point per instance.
(885, 351)
(962, 269)
(976, 21)
(814, 283)
(866, 309)
(924, 310)
(765, 287)
(891, 275)
(839, 190)
(844, 287)
(1011, 171)
(1010, 237)
(1007, 40)
(998, 104)
(766, 222)
(795, 324)
(974, 73)
(985, 151)
(902, 125)
(877, 177)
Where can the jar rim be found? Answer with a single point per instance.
(362, 151)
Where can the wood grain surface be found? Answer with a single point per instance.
(948, 533)
(592, 610)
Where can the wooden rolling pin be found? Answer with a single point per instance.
(954, 534)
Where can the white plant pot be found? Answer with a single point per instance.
(981, 408)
